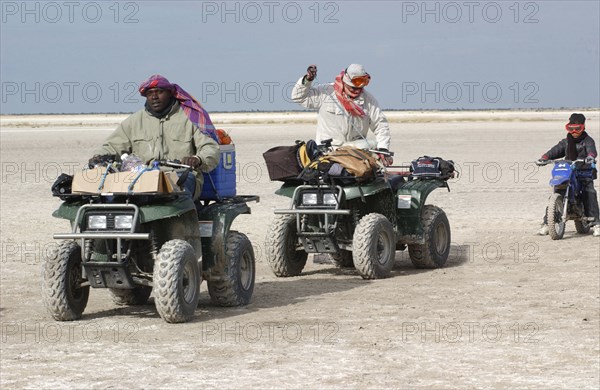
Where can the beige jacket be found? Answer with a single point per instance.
(335, 122)
(169, 138)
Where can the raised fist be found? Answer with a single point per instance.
(311, 73)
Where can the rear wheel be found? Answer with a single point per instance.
(343, 259)
(582, 226)
(64, 294)
(176, 281)
(436, 229)
(284, 254)
(236, 287)
(374, 247)
(131, 297)
(556, 224)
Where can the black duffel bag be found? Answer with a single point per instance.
(432, 168)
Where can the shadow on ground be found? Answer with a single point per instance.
(283, 292)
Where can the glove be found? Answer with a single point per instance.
(386, 159)
(101, 159)
(192, 161)
(311, 73)
(541, 161)
(590, 160)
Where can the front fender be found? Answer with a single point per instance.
(350, 191)
(367, 189)
(559, 180)
(148, 213)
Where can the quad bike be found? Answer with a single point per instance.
(566, 202)
(138, 243)
(359, 224)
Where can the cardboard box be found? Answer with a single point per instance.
(150, 181)
(87, 181)
(90, 182)
(221, 180)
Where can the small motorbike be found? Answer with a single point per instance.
(566, 202)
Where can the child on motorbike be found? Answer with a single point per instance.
(577, 145)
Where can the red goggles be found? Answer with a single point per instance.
(360, 81)
(575, 127)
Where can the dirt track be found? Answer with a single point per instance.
(511, 309)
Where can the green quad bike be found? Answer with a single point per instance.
(360, 225)
(138, 243)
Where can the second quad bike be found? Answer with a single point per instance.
(360, 224)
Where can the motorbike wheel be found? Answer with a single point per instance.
(582, 227)
(434, 252)
(556, 225)
(342, 259)
(131, 297)
(236, 287)
(176, 281)
(283, 253)
(64, 296)
(374, 247)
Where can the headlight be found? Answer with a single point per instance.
(309, 198)
(329, 199)
(96, 222)
(123, 221)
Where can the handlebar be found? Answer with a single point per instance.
(546, 162)
(173, 164)
(381, 152)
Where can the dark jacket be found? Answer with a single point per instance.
(587, 147)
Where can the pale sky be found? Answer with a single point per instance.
(79, 56)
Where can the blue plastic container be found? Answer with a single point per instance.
(223, 176)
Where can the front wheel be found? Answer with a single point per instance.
(236, 287)
(176, 281)
(284, 254)
(436, 231)
(374, 247)
(556, 222)
(65, 294)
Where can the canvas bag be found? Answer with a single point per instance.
(359, 163)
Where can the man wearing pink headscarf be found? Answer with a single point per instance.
(171, 126)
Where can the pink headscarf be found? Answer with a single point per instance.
(191, 107)
(348, 104)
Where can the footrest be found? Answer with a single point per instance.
(108, 275)
(319, 244)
